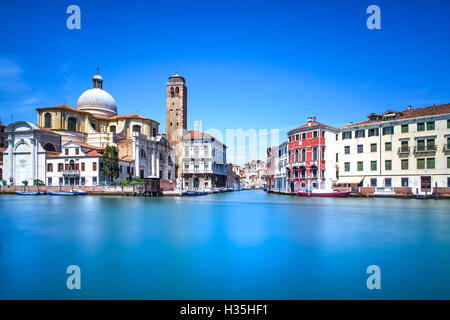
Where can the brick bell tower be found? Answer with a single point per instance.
(176, 113)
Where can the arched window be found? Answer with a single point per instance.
(303, 154)
(137, 128)
(314, 154)
(296, 155)
(112, 129)
(49, 147)
(72, 165)
(171, 91)
(48, 120)
(72, 124)
(143, 155)
(177, 90)
(206, 150)
(186, 151)
(196, 151)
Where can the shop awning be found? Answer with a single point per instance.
(349, 180)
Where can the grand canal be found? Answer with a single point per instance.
(238, 245)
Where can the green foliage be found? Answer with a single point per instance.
(4, 182)
(137, 181)
(38, 182)
(102, 184)
(25, 182)
(124, 183)
(110, 166)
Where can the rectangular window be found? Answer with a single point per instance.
(83, 181)
(61, 181)
(83, 167)
(388, 146)
(430, 145)
(49, 167)
(360, 133)
(94, 166)
(314, 172)
(388, 182)
(430, 125)
(405, 182)
(347, 149)
(373, 182)
(420, 163)
(373, 132)
(421, 145)
(448, 162)
(303, 185)
(94, 181)
(66, 152)
(49, 182)
(405, 164)
(448, 124)
(448, 182)
(430, 163)
(296, 174)
(337, 157)
(347, 166)
(404, 147)
(77, 151)
(296, 137)
(405, 128)
(421, 126)
(373, 165)
(373, 147)
(303, 174)
(60, 167)
(388, 130)
(346, 135)
(303, 136)
(360, 148)
(360, 166)
(387, 165)
(315, 134)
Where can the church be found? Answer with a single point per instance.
(66, 139)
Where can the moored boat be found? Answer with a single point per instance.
(70, 193)
(30, 193)
(323, 193)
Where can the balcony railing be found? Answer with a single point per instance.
(446, 148)
(425, 149)
(404, 150)
(71, 172)
(299, 164)
(313, 162)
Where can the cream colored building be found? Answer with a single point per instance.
(397, 148)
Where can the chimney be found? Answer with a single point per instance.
(309, 121)
(350, 123)
(409, 107)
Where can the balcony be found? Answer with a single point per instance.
(71, 172)
(298, 164)
(313, 163)
(403, 151)
(446, 149)
(424, 149)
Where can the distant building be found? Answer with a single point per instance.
(3, 146)
(254, 174)
(203, 162)
(233, 176)
(272, 154)
(312, 151)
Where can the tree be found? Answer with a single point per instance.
(110, 166)
(38, 182)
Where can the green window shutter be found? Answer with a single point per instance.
(430, 163)
(373, 165)
(347, 166)
(405, 128)
(373, 147)
(430, 125)
(448, 163)
(361, 166)
(420, 163)
(404, 146)
(405, 164)
(388, 165)
(388, 146)
(421, 145)
(430, 144)
(421, 126)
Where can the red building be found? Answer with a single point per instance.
(312, 156)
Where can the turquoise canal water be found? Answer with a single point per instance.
(238, 245)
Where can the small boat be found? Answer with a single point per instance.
(70, 193)
(323, 193)
(30, 193)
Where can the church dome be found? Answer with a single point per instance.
(97, 100)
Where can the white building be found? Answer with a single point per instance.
(204, 162)
(394, 149)
(281, 165)
(254, 174)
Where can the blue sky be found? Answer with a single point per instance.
(248, 64)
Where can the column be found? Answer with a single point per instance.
(153, 163)
(11, 159)
(136, 159)
(33, 159)
(157, 164)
